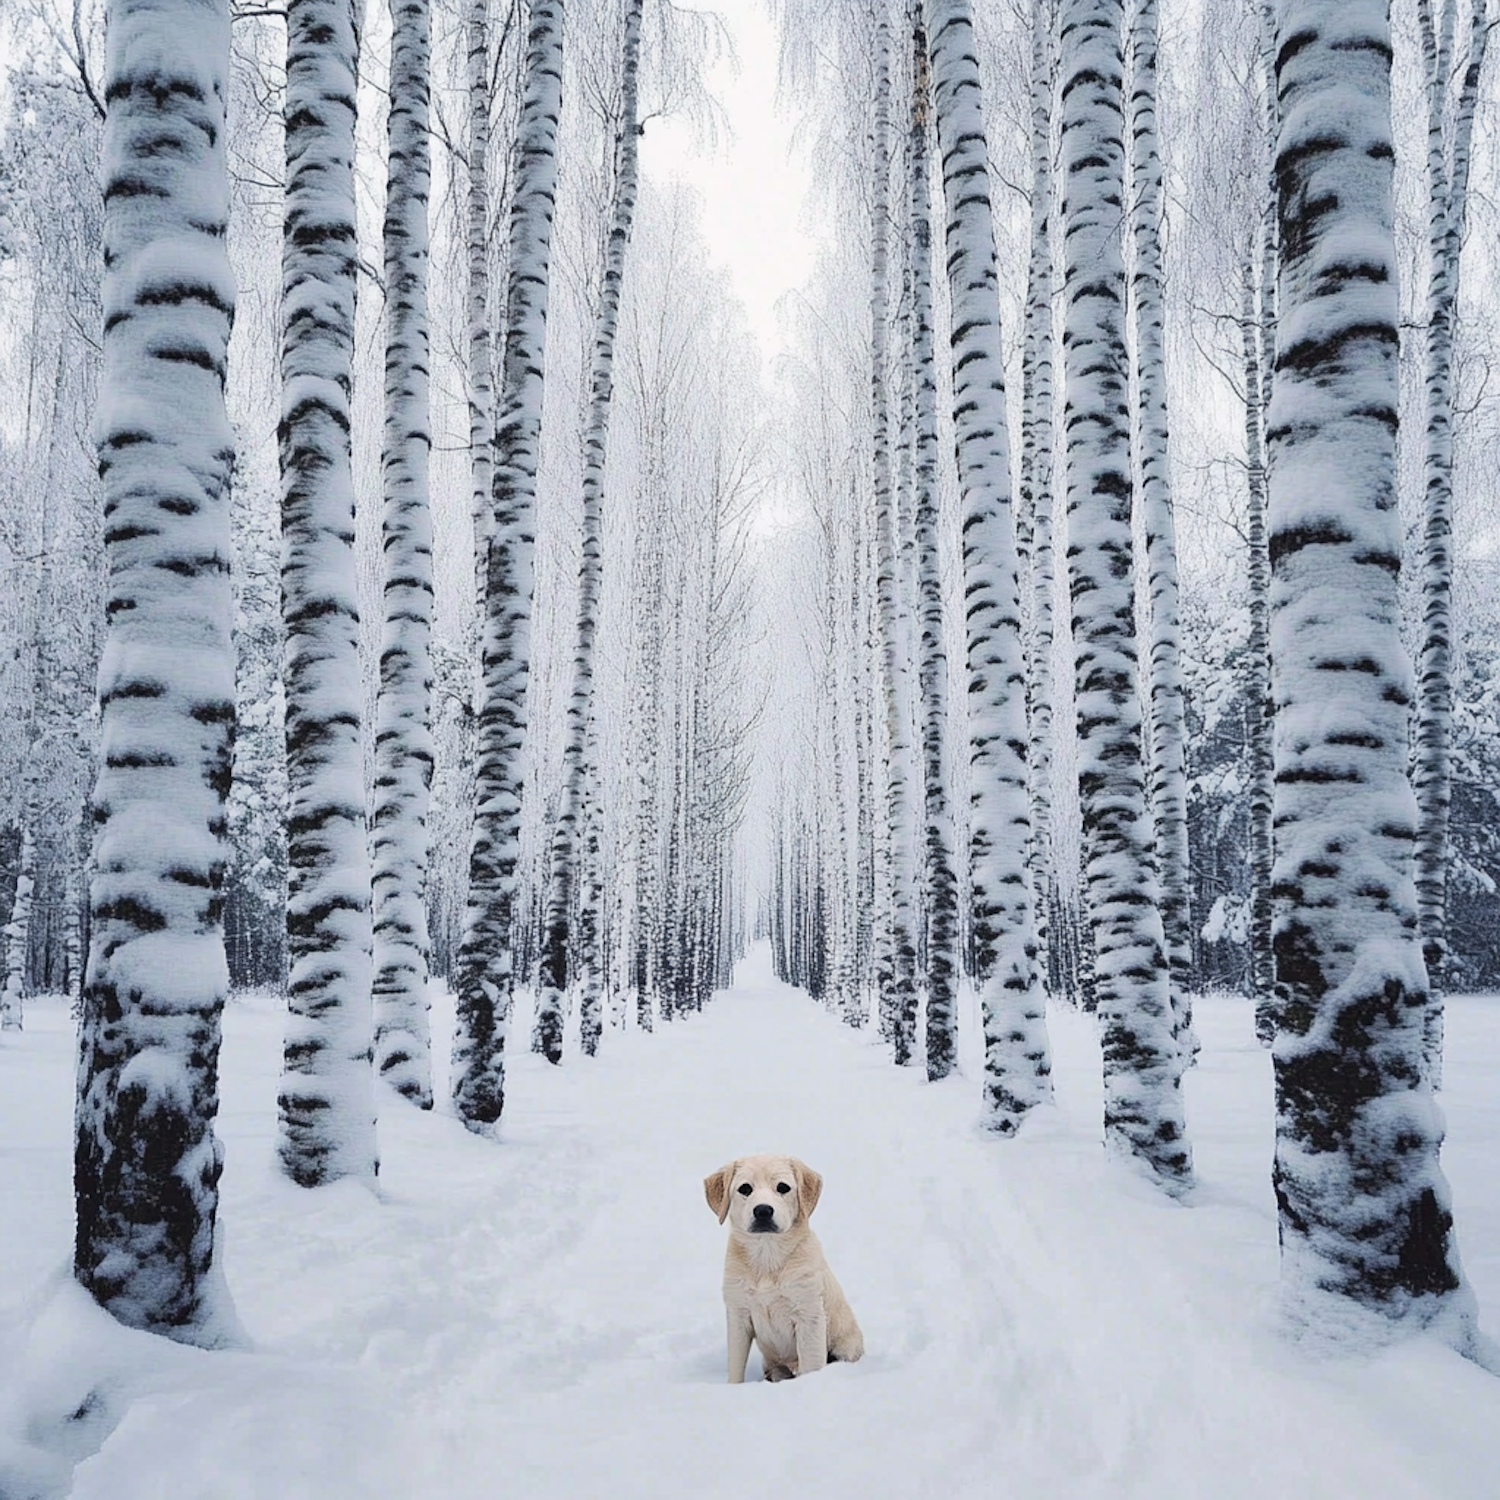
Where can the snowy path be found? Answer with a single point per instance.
(542, 1318)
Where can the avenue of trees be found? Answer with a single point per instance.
(412, 574)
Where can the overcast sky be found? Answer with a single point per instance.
(753, 186)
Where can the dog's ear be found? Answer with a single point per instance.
(809, 1187)
(716, 1189)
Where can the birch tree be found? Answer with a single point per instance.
(938, 834)
(563, 882)
(486, 965)
(147, 1163)
(1143, 1104)
(403, 736)
(327, 1095)
(1036, 467)
(896, 974)
(1449, 143)
(1017, 1060)
(1167, 726)
(1363, 1206)
(17, 935)
(1259, 345)
(477, 229)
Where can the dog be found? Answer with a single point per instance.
(778, 1290)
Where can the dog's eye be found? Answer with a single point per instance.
(783, 1187)
(745, 1189)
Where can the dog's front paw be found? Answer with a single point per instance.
(849, 1351)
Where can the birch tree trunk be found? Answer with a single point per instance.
(1259, 342)
(403, 735)
(481, 360)
(868, 890)
(1142, 1100)
(1037, 471)
(147, 1163)
(327, 1103)
(910, 862)
(1258, 663)
(938, 838)
(564, 873)
(481, 383)
(1018, 1067)
(18, 936)
(1364, 1208)
(1168, 727)
(486, 962)
(1448, 182)
(592, 959)
(896, 978)
(649, 597)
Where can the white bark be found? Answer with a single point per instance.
(1364, 1208)
(1168, 778)
(1258, 332)
(1448, 153)
(897, 958)
(147, 1163)
(938, 832)
(1018, 1069)
(1143, 1103)
(18, 937)
(1036, 476)
(327, 1101)
(481, 359)
(403, 734)
(558, 939)
(486, 958)
(648, 597)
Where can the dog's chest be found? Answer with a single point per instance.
(773, 1303)
(775, 1311)
(776, 1298)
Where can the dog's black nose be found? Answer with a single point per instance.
(764, 1212)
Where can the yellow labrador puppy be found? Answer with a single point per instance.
(778, 1289)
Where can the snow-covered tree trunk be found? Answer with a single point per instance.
(1168, 726)
(18, 936)
(1142, 1098)
(873, 894)
(403, 735)
(327, 1101)
(481, 359)
(1363, 1205)
(909, 865)
(1258, 662)
(896, 976)
(840, 975)
(1018, 1067)
(486, 965)
(147, 1164)
(1259, 343)
(592, 958)
(649, 600)
(938, 834)
(1037, 471)
(558, 938)
(481, 377)
(868, 697)
(1448, 174)
(73, 895)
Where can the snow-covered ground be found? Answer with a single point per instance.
(542, 1317)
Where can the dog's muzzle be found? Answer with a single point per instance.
(763, 1219)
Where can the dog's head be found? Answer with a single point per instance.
(763, 1194)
